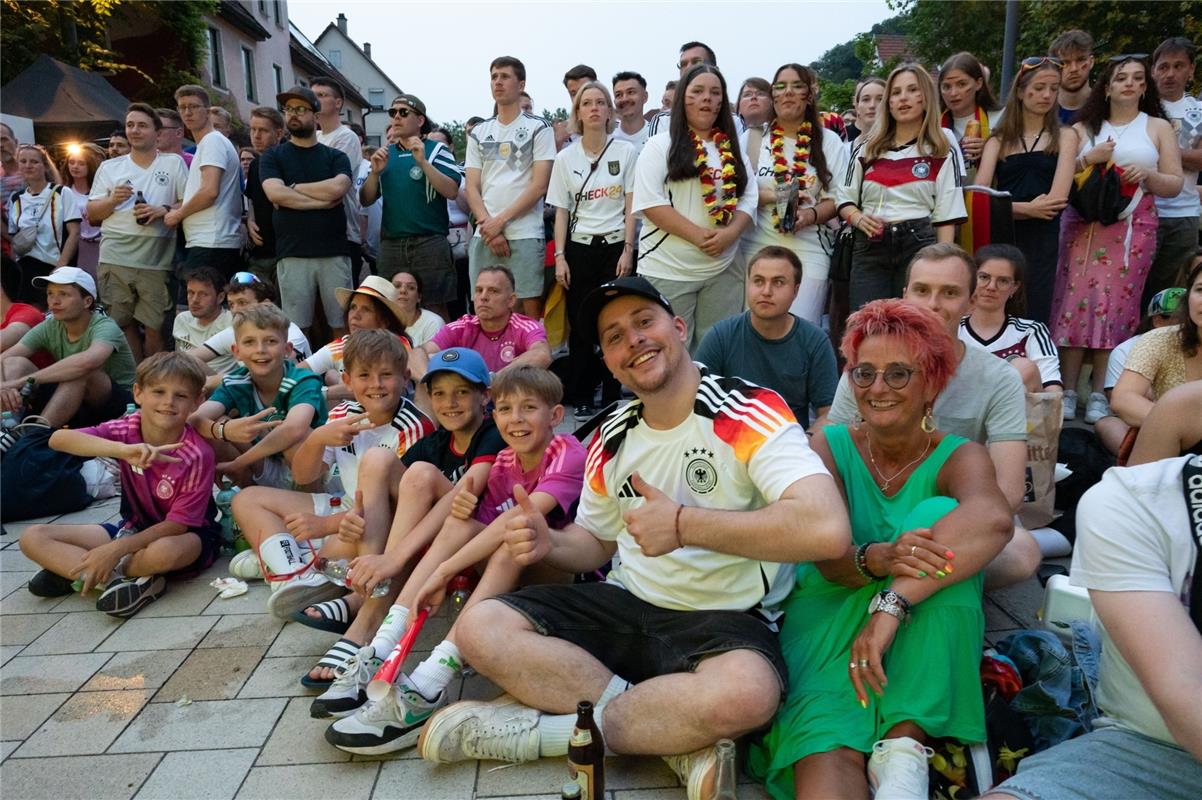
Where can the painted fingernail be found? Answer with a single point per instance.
(921, 574)
(863, 703)
(949, 554)
(940, 574)
(949, 569)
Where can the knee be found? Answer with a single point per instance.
(482, 629)
(32, 537)
(749, 693)
(419, 477)
(376, 461)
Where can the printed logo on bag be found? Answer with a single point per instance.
(921, 169)
(699, 472)
(614, 167)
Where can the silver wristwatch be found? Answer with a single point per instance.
(891, 603)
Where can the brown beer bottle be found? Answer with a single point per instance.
(586, 754)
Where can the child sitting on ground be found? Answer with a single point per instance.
(538, 468)
(263, 409)
(378, 419)
(168, 517)
(420, 487)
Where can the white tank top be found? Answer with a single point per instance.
(1132, 144)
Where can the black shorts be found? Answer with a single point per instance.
(638, 640)
(114, 406)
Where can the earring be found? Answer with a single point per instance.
(857, 421)
(928, 422)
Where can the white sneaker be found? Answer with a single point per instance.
(301, 592)
(502, 730)
(1070, 404)
(349, 690)
(386, 726)
(897, 769)
(245, 565)
(697, 771)
(1096, 408)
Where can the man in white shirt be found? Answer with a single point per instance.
(509, 158)
(212, 210)
(573, 79)
(691, 54)
(1137, 554)
(1177, 232)
(630, 97)
(340, 137)
(131, 195)
(205, 316)
(671, 620)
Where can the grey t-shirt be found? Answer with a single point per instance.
(984, 401)
(800, 366)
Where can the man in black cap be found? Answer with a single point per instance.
(704, 486)
(415, 176)
(306, 182)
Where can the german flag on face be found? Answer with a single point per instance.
(990, 219)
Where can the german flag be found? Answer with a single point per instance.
(990, 219)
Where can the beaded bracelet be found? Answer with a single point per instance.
(861, 563)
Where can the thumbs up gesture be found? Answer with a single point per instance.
(526, 534)
(653, 523)
(464, 504)
(352, 525)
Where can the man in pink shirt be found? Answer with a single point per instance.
(499, 335)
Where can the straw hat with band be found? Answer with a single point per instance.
(377, 288)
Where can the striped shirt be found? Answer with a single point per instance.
(497, 349)
(408, 426)
(560, 474)
(904, 184)
(297, 386)
(1019, 338)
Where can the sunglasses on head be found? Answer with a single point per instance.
(1128, 57)
(1034, 62)
(400, 112)
(245, 279)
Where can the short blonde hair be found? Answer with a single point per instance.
(171, 366)
(536, 381)
(374, 346)
(574, 118)
(264, 316)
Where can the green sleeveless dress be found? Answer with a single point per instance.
(933, 664)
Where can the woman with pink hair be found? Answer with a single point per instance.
(866, 693)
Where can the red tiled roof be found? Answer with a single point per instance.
(892, 45)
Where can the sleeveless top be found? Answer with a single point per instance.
(1026, 175)
(875, 517)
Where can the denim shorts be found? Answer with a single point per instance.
(638, 640)
(1110, 763)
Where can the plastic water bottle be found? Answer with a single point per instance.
(130, 409)
(225, 501)
(460, 588)
(8, 421)
(337, 572)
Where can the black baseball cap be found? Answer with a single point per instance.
(302, 93)
(598, 298)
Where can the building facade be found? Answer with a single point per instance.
(366, 76)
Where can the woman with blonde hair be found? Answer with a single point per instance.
(46, 218)
(901, 190)
(79, 170)
(591, 188)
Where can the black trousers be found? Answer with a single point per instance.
(590, 266)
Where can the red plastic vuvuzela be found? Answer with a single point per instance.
(386, 674)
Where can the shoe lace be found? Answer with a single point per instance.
(502, 740)
(356, 672)
(906, 769)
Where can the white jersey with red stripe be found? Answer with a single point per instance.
(905, 183)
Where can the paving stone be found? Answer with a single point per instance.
(80, 632)
(24, 628)
(243, 630)
(6, 748)
(21, 715)
(651, 794)
(75, 602)
(214, 674)
(49, 674)
(206, 774)
(301, 640)
(319, 782)
(20, 601)
(253, 602)
(478, 687)
(165, 633)
(280, 677)
(12, 581)
(183, 599)
(136, 669)
(112, 777)
(233, 723)
(437, 782)
(87, 723)
(13, 560)
(1020, 601)
(300, 739)
(544, 775)
(9, 651)
(97, 512)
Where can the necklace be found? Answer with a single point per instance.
(1035, 143)
(723, 212)
(896, 475)
(781, 169)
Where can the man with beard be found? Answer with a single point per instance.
(1075, 49)
(630, 96)
(306, 182)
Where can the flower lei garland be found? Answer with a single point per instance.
(780, 168)
(722, 213)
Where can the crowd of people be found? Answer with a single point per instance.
(813, 444)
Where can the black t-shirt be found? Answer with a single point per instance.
(307, 234)
(263, 211)
(437, 448)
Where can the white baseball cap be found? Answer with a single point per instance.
(66, 276)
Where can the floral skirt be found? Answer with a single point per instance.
(1100, 277)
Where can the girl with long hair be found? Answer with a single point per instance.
(969, 108)
(1031, 156)
(79, 169)
(1102, 268)
(901, 189)
(693, 188)
(55, 215)
(795, 157)
(869, 94)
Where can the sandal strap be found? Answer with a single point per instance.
(336, 610)
(337, 656)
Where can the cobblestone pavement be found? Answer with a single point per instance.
(90, 705)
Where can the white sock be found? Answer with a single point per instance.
(554, 733)
(390, 631)
(433, 674)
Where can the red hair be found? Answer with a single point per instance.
(919, 330)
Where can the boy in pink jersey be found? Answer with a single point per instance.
(168, 517)
(538, 468)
